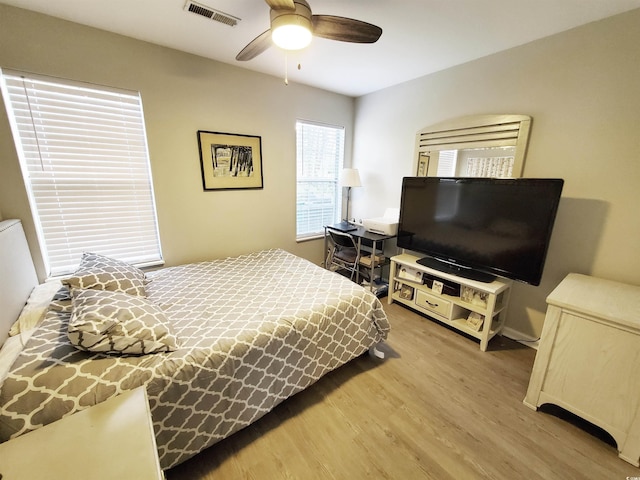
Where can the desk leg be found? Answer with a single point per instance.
(326, 250)
(358, 260)
(373, 263)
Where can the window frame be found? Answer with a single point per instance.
(334, 179)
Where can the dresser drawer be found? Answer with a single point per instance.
(432, 303)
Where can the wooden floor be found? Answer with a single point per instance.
(436, 408)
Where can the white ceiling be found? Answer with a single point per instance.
(419, 36)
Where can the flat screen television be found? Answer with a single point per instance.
(480, 228)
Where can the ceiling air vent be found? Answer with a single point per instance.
(211, 13)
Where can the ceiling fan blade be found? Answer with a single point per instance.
(345, 29)
(281, 4)
(255, 47)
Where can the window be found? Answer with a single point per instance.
(320, 155)
(83, 153)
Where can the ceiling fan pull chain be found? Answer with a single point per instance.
(286, 69)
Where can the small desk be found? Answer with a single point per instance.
(363, 237)
(111, 440)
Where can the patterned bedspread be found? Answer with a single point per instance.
(253, 330)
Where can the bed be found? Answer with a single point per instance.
(241, 335)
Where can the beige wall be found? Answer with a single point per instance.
(582, 89)
(181, 94)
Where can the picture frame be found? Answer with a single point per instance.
(406, 292)
(408, 273)
(230, 161)
(437, 286)
(475, 321)
(470, 295)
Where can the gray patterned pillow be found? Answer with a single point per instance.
(114, 322)
(105, 273)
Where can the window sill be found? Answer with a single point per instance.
(316, 236)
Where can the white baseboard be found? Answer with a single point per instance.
(521, 337)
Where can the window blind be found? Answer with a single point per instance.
(319, 160)
(447, 163)
(83, 154)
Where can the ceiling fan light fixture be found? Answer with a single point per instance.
(293, 26)
(291, 32)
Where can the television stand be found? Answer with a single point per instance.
(457, 270)
(476, 308)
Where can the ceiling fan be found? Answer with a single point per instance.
(293, 25)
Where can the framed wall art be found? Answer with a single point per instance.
(230, 161)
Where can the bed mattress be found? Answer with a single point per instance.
(252, 331)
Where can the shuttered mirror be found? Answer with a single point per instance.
(473, 146)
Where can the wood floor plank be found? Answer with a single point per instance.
(436, 408)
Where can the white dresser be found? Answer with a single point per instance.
(111, 440)
(588, 361)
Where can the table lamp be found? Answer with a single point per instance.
(349, 177)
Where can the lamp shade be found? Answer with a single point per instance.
(349, 177)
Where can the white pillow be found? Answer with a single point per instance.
(36, 306)
(115, 322)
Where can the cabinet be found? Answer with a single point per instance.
(110, 440)
(588, 359)
(475, 308)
